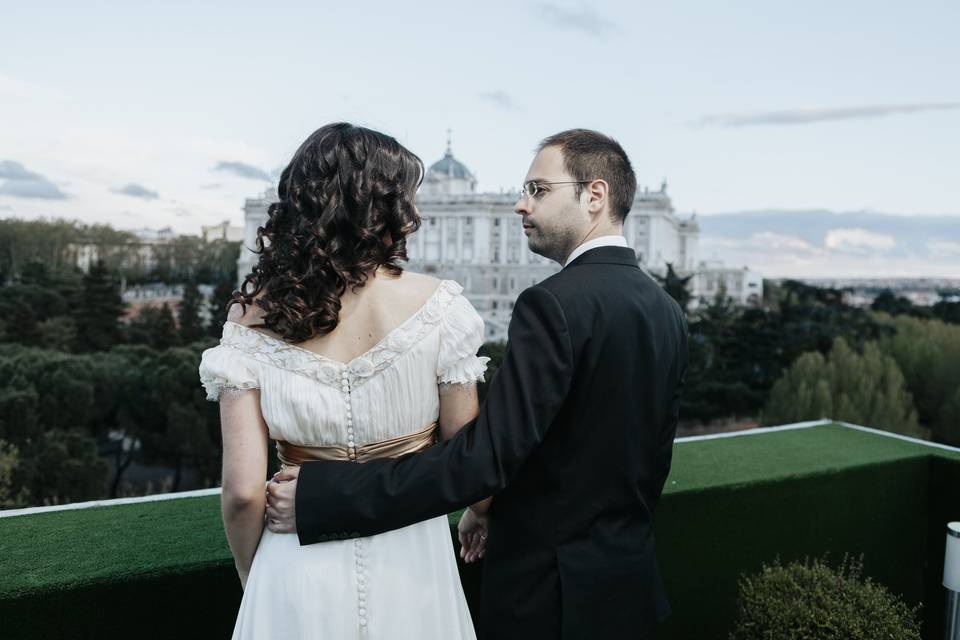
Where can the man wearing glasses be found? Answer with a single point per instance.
(574, 440)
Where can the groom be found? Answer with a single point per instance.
(575, 437)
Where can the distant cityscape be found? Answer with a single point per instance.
(861, 292)
(474, 238)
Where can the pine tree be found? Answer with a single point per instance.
(98, 310)
(165, 334)
(217, 307)
(676, 286)
(188, 314)
(21, 325)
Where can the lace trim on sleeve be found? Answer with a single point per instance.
(223, 367)
(461, 336)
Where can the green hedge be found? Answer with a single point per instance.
(160, 569)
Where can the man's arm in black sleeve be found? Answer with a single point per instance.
(523, 399)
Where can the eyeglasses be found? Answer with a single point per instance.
(532, 188)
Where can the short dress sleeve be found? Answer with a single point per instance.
(226, 367)
(461, 336)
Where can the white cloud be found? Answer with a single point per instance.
(807, 116)
(88, 162)
(760, 243)
(19, 182)
(500, 99)
(782, 255)
(584, 19)
(944, 248)
(243, 170)
(772, 241)
(137, 191)
(858, 241)
(11, 87)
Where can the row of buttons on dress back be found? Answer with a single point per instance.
(351, 444)
(358, 546)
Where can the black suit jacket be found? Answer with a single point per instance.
(574, 440)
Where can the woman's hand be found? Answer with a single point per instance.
(472, 531)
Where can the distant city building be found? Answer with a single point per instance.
(154, 236)
(222, 231)
(477, 240)
(743, 285)
(140, 254)
(85, 255)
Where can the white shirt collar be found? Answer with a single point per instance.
(615, 240)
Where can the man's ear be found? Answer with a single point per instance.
(598, 192)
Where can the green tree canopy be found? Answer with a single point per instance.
(928, 353)
(173, 414)
(866, 389)
(61, 467)
(19, 415)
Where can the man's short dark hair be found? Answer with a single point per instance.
(590, 155)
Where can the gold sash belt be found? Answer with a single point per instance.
(292, 455)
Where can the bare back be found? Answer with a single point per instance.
(366, 316)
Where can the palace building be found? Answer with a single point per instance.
(476, 239)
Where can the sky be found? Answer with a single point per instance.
(154, 114)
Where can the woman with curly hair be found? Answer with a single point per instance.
(336, 352)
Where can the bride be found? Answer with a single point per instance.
(336, 352)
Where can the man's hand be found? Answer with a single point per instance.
(472, 531)
(281, 501)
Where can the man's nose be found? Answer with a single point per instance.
(521, 206)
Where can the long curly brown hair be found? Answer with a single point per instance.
(345, 192)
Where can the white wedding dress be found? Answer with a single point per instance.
(400, 584)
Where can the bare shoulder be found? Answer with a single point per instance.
(251, 316)
(409, 284)
(419, 282)
(407, 292)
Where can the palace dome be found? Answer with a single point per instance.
(448, 176)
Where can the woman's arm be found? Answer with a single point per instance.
(458, 406)
(243, 501)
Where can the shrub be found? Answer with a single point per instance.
(811, 601)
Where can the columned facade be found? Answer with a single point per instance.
(477, 240)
